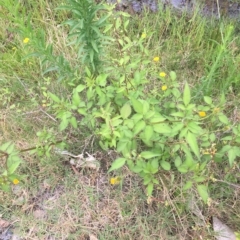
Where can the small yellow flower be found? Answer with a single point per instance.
(164, 87)
(162, 74)
(15, 181)
(156, 59)
(115, 181)
(144, 35)
(202, 114)
(26, 40)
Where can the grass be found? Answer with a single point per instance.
(56, 202)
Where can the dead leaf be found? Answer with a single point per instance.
(92, 237)
(223, 232)
(39, 214)
(4, 223)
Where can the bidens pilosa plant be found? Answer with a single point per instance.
(11, 161)
(148, 117)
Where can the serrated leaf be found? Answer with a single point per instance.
(80, 88)
(149, 154)
(73, 122)
(155, 164)
(54, 97)
(165, 165)
(150, 189)
(118, 163)
(186, 95)
(137, 105)
(177, 114)
(203, 192)
(232, 154)
(76, 99)
(208, 100)
(126, 111)
(101, 80)
(4, 146)
(148, 132)
(192, 141)
(222, 118)
(187, 185)
(139, 127)
(162, 128)
(63, 125)
(182, 169)
(12, 164)
(199, 179)
(177, 161)
(157, 119)
(173, 75)
(145, 107)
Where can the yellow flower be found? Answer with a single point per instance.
(26, 40)
(144, 35)
(15, 181)
(156, 59)
(164, 87)
(115, 181)
(162, 74)
(202, 114)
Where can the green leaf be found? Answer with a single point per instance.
(194, 128)
(177, 161)
(5, 146)
(150, 189)
(148, 132)
(139, 127)
(145, 107)
(5, 187)
(208, 100)
(155, 164)
(73, 122)
(199, 179)
(232, 154)
(165, 165)
(63, 125)
(54, 97)
(173, 75)
(162, 128)
(126, 111)
(186, 95)
(202, 190)
(149, 154)
(177, 114)
(12, 163)
(137, 105)
(76, 99)
(157, 119)
(118, 163)
(80, 88)
(187, 185)
(222, 118)
(182, 169)
(192, 141)
(101, 80)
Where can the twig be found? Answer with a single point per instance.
(48, 115)
(231, 184)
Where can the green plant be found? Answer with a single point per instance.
(12, 161)
(155, 130)
(85, 30)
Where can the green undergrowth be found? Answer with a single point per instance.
(151, 97)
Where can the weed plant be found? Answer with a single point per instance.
(155, 88)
